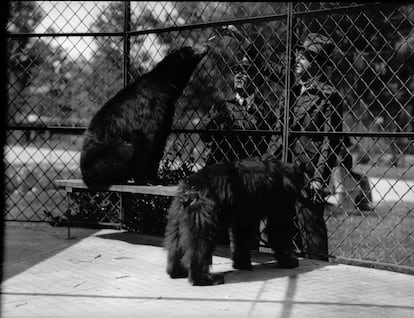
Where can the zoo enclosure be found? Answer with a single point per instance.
(58, 79)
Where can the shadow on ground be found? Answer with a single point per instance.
(134, 238)
(27, 244)
(269, 271)
(264, 266)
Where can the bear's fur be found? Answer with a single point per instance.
(126, 137)
(236, 196)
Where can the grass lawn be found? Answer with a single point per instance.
(406, 173)
(32, 205)
(384, 234)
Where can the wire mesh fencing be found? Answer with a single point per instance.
(67, 58)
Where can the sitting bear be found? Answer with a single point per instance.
(126, 137)
(237, 196)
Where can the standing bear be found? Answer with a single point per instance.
(234, 196)
(126, 137)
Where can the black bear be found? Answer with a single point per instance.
(235, 195)
(126, 137)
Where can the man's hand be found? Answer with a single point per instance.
(227, 30)
(316, 191)
(231, 30)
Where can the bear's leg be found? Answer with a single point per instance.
(199, 274)
(172, 243)
(198, 239)
(175, 267)
(105, 164)
(200, 256)
(281, 230)
(240, 248)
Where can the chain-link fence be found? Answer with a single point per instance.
(66, 58)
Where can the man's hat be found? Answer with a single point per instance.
(244, 64)
(318, 45)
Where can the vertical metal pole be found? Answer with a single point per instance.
(68, 213)
(121, 212)
(127, 44)
(285, 136)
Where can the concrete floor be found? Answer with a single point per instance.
(110, 273)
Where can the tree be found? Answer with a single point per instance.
(43, 79)
(213, 79)
(24, 16)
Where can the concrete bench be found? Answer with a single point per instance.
(72, 186)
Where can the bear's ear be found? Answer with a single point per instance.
(189, 197)
(171, 50)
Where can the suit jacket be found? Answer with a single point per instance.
(317, 107)
(231, 114)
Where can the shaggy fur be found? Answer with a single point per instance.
(127, 136)
(234, 195)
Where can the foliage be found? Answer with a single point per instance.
(24, 17)
(147, 212)
(44, 81)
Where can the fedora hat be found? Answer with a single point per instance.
(318, 46)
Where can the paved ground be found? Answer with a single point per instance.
(27, 244)
(109, 273)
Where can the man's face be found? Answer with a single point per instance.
(240, 80)
(302, 63)
(242, 83)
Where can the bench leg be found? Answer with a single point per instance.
(121, 213)
(125, 210)
(67, 214)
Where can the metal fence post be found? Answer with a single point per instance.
(285, 132)
(127, 39)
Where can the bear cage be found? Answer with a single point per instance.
(66, 58)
